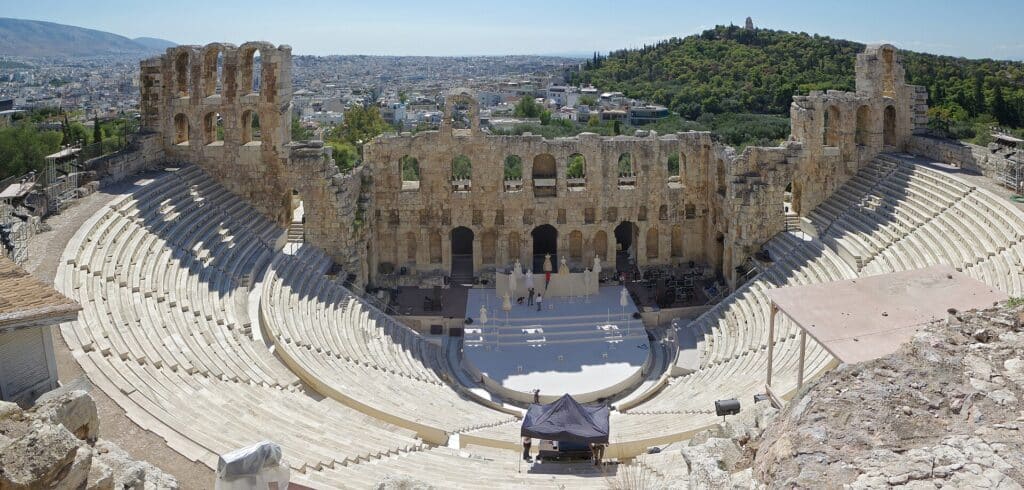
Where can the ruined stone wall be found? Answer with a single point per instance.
(842, 131)
(144, 152)
(987, 160)
(413, 221)
(717, 209)
(228, 110)
(204, 100)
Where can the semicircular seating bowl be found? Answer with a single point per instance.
(892, 215)
(164, 277)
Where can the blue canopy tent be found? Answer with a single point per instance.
(567, 420)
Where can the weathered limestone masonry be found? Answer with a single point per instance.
(988, 160)
(718, 209)
(228, 110)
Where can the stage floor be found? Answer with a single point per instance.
(572, 346)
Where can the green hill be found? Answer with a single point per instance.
(729, 70)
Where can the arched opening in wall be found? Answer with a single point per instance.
(461, 114)
(888, 62)
(545, 242)
(720, 176)
(677, 241)
(863, 120)
(652, 243)
(256, 74)
(601, 245)
(641, 214)
(576, 246)
(787, 199)
(832, 122)
(181, 129)
(672, 169)
(576, 172)
(250, 125)
(181, 74)
(488, 247)
(626, 237)
(462, 254)
(409, 168)
(627, 171)
(435, 247)
(889, 126)
(213, 129)
(513, 174)
(297, 222)
(213, 69)
(545, 177)
(514, 250)
(462, 174)
(663, 212)
(410, 248)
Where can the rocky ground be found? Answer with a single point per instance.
(944, 411)
(54, 445)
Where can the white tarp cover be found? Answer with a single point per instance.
(248, 461)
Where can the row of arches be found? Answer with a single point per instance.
(214, 128)
(544, 172)
(544, 240)
(832, 133)
(215, 74)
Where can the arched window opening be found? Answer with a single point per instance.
(863, 120)
(250, 128)
(249, 73)
(888, 81)
(576, 245)
(461, 113)
(889, 130)
(435, 247)
(672, 170)
(462, 174)
(652, 243)
(641, 214)
(832, 123)
(576, 172)
(513, 175)
(601, 244)
(462, 255)
(663, 212)
(213, 129)
(409, 168)
(677, 241)
(545, 177)
(488, 247)
(627, 171)
(626, 238)
(181, 73)
(513, 246)
(545, 243)
(181, 129)
(213, 68)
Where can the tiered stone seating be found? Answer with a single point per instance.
(164, 330)
(450, 468)
(349, 350)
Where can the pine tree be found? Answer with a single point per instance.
(1000, 109)
(979, 94)
(97, 133)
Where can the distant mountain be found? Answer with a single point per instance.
(155, 44)
(33, 38)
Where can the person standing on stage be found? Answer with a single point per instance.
(527, 442)
(529, 299)
(540, 301)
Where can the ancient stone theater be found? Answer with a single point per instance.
(406, 317)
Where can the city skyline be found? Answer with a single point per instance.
(531, 27)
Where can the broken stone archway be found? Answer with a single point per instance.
(545, 241)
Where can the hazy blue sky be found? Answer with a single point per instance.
(963, 28)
